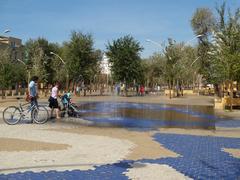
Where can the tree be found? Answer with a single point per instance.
(154, 69)
(189, 66)
(39, 59)
(9, 72)
(81, 58)
(225, 51)
(124, 56)
(173, 64)
(203, 23)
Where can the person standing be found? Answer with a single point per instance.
(53, 102)
(142, 90)
(32, 89)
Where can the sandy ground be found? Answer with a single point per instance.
(71, 151)
(67, 145)
(234, 152)
(143, 171)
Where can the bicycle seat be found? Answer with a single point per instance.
(18, 98)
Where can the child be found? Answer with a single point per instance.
(66, 99)
(68, 105)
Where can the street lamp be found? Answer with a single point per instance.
(6, 31)
(64, 63)
(198, 36)
(194, 61)
(158, 44)
(28, 71)
(153, 42)
(58, 57)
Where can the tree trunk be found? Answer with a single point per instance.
(173, 88)
(217, 90)
(177, 88)
(3, 94)
(231, 95)
(126, 93)
(169, 85)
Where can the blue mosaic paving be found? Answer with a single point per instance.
(112, 171)
(201, 158)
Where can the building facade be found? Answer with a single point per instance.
(105, 66)
(14, 45)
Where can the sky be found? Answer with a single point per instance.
(106, 20)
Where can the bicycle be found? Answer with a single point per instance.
(13, 114)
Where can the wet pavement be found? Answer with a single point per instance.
(136, 115)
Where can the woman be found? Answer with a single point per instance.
(53, 103)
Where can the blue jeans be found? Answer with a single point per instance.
(34, 101)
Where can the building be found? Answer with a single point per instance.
(15, 46)
(105, 66)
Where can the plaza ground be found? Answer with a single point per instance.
(72, 147)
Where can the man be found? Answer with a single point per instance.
(32, 89)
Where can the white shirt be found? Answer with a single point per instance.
(54, 92)
(33, 90)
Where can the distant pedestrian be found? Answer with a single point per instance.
(118, 89)
(137, 89)
(78, 90)
(142, 90)
(122, 88)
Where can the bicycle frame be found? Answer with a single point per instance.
(22, 111)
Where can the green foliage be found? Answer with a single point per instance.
(81, 58)
(154, 69)
(173, 61)
(189, 64)
(39, 58)
(203, 21)
(225, 49)
(10, 72)
(124, 56)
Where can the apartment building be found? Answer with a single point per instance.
(15, 47)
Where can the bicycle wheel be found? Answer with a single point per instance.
(11, 115)
(40, 115)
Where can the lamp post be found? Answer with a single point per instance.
(194, 61)
(28, 71)
(64, 63)
(198, 36)
(153, 42)
(6, 31)
(159, 45)
(58, 57)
